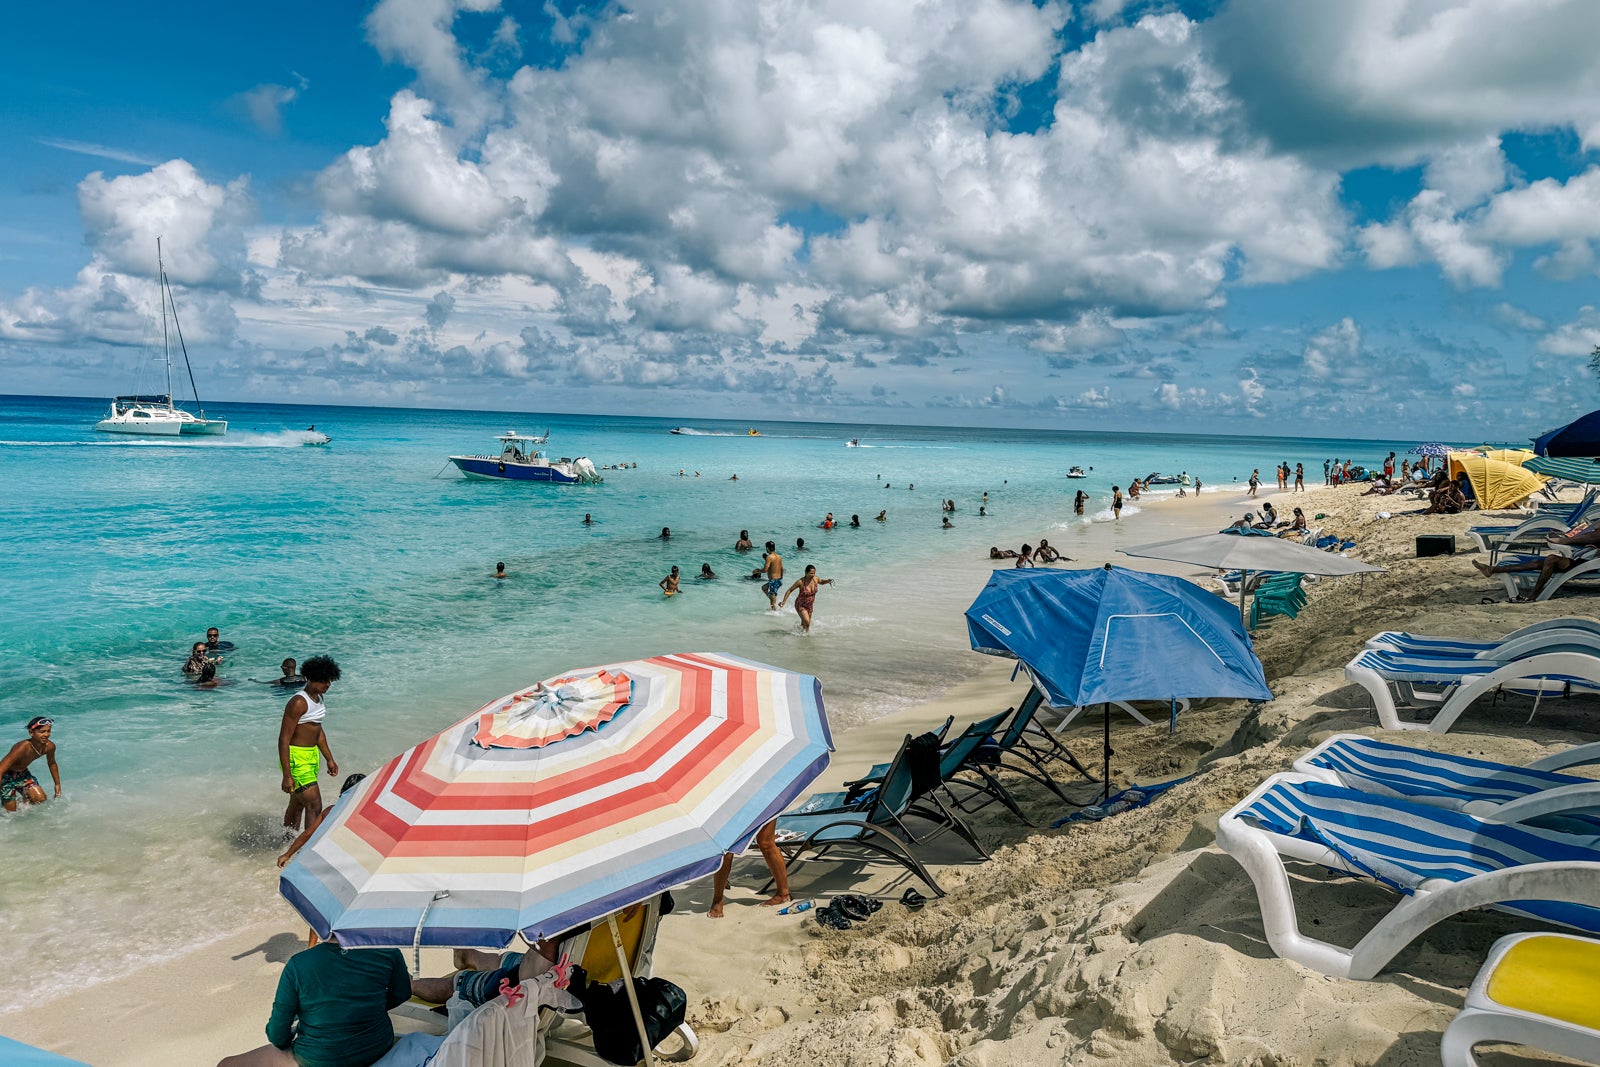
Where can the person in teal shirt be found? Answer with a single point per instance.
(332, 1009)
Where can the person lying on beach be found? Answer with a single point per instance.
(744, 544)
(767, 842)
(1550, 565)
(1045, 553)
(17, 783)
(806, 585)
(332, 1009)
(669, 584)
(479, 974)
(996, 552)
(1381, 486)
(706, 573)
(303, 743)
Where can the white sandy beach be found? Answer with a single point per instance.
(1132, 941)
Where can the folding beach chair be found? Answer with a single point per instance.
(1537, 793)
(1537, 990)
(1441, 862)
(861, 832)
(1465, 680)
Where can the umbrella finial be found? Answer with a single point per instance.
(1108, 566)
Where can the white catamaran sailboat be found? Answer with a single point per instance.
(157, 415)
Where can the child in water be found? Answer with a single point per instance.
(669, 584)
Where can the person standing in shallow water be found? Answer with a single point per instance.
(303, 743)
(1116, 502)
(773, 568)
(17, 783)
(806, 586)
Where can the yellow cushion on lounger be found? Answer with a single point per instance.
(1557, 977)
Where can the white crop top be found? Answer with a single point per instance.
(316, 711)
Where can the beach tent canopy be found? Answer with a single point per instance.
(536, 815)
(1581, 438)
(1108, 634)
(1572, 470)
(1496, 485)
(1431, 448)
(1517, 457)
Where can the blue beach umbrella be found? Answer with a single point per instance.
(1109, 634)
(1434, 449)
(1581, 437)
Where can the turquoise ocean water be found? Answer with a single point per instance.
(116, 553)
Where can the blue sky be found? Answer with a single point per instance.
(1242, 216)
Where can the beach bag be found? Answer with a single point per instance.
(610, 1016)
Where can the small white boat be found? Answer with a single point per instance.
(157, 415)
(1076, 472)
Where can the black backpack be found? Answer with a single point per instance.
(610, 1016)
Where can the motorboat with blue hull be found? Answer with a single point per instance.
(521, 460)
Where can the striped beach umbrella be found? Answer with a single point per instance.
(1433, 449)
(563, 803)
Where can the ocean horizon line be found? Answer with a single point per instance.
(862, 426)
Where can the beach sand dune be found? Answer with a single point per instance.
(1130, 941)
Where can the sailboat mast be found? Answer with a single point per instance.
(177, 327)
(161, 295)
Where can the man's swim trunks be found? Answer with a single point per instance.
(774, 587)
(304, 765)
(14, 786)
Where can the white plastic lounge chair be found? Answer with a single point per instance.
(1551, 635)
(1520, 583)
(1466, 680)
(1498, 792)
(1537, 990)
(1442, 862)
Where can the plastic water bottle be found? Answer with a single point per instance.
(798, 906)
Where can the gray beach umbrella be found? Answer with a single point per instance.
(1246, 554)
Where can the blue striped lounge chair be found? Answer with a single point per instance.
(1462, 681)
(1548, 517)
(1536, 793)
(1519, 584)
(1441, 862)
(1571, 633)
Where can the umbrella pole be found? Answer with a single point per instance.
(1105, 769)
(633, 994)
(1244, 580)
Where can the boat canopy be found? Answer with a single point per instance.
(513, 437)
(164, 399)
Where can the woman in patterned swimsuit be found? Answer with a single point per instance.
(807, 585)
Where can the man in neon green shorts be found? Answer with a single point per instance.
(302, 743)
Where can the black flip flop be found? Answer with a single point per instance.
(832, 919)
(913, 899)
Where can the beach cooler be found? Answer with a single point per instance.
(1436, 545)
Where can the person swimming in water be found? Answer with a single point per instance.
(883, 516)
(855, 522)
(303, 743)
(806, 585)
(197, 659)
(706, 573)
(499, 571)
(666, 534)
(800, 544)
(946, 524)
(669, 584)
(588, 519)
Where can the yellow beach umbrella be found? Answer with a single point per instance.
(1495, 484)
(1514, 456)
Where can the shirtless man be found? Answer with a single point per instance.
(1046, 554)
(1550, 565)
(16, 783)
(773, 568)
(744, 543)
(669, 584)
(303, 743)
(499, 571)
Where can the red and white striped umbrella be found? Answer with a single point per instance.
(563, 803)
